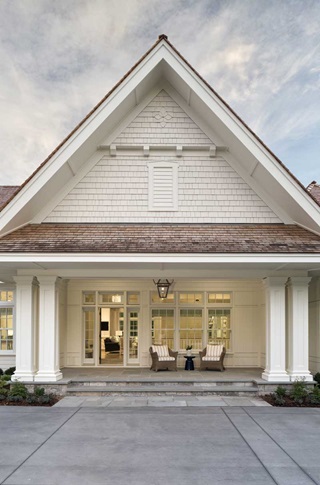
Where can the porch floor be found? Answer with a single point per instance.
(98, 374)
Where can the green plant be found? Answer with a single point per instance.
(10, 371)
(279, 395)
(4, 388)
(18, 390)
(39, 391)
(1, 372)
(314, 396)
(188, 347)
(5, 378)
(299, 391)
(316, 378)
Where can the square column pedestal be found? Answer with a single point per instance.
(298, 329)
(48, 330)
(275, 370)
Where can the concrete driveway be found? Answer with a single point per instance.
(164, 445)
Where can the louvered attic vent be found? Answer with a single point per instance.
(163, 186)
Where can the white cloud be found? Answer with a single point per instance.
(59, 58)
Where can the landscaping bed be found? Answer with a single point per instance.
(17, 394)
(298, 396)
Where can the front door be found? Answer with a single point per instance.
(111, 336)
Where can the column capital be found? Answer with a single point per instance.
(47, 279)
(275, 281)
(299, 281)
(23, 279)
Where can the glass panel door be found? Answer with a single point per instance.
(163, 327)
(88, 324)
(133, 336)
(111, 336)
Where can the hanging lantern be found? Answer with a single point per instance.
(163, 287)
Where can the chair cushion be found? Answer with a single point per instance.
(211, 359)
(166, 358)
(162, 350)
(213, 352)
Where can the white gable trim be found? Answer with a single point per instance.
(56, 170)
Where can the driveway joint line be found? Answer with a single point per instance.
(38, 448)
(255, 454)
(281, 448)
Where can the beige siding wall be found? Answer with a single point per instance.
(162, 122)
(116, 190)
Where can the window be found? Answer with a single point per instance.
(89, 298)
(133, 298)
(163, 186)
(162, 325)
(89, 323)
(224, 298)
(133, 334)
(191, 328)
(155, 298)
(219, 327)
(110, 297)
(6, 320)
(190, 298)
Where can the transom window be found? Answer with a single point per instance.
(155, 298)
(110, 297)
(224, 298)
(190, 298)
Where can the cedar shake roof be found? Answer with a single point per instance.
(6, 193)
(161, 238)
(314, 190)
(162, 37)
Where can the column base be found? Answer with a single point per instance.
(301, 376)
(48, 376)
(23, 376)
(275, 376)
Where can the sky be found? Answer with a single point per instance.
(58, 58)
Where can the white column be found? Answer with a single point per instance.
(275, 370)
(48, 330)
(25, 330)
(298, 329)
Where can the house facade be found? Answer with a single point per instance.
(161, 181)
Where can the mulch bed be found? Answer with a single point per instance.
(52, 402)
(288, 402)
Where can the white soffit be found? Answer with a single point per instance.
(162, 62)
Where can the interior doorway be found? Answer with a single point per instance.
(111, 348)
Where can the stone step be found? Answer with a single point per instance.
(159, 383)
(163, 390)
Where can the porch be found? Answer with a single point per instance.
(132, 383)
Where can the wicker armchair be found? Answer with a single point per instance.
(163, 358)
(211, 358)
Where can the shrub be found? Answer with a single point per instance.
(279, 395)
(314, 396)
(44, 399)
(316, 378)
(18, 390)
(1, 372)
(5, 378)
(10, 371)
(3, 388)
(299, 392)
(39, 391)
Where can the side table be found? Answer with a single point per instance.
(189, 362)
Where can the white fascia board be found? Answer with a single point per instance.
(81, 135)
(241, 132)
(159, 258)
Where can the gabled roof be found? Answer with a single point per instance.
(161, 238)
(258, 165)
(7, 192)
(314, 190)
